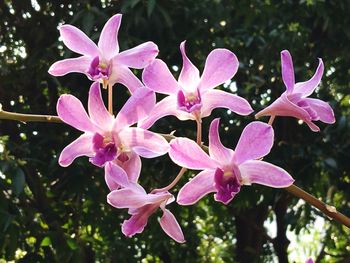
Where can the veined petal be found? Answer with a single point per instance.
(171, 227)
(77, 41)
(145, 143)
(255, 142)
(324, 111)
(139, 56)
(186, 153)
(189, 75)
(108, 42)
(63, 67)
(157, 77)
(220, 99)
(287, 70)
(97, 109)
(132, 167)
(221, 65)
(201, 185)
(264, 173)
(115, 176)
(80, 147)
(124, 75)
(71, 111)
(216, 150)
(307, 87)
(138, 106)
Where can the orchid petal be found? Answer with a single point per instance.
(145, 143)
(171, 227)
(77, 41)
(63, 67)
(189, 75)
(255, 142)
(136, 108)
(220, 66)
(324, 111)
(287, 70)
(80, 147)
(71, 111)
(139, 56)
(307, 87)
(216, 150)
(108, 42)
(264, 173)
(124, 75)
(157, 77)
(201, 185)
(132, 167)
(220, 99)
(115, 176)
(186, 153)
(97, 109)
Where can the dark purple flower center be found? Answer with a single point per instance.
(189, 101)
(104, 148)
(99, 69)
(226, 184)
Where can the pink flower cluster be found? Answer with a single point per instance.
(115, 144)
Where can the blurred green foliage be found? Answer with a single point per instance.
(51, 214)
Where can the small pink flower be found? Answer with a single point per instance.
(103, 62)
(193, 96)
(309, 261)
(141, 205)
(294, 102)
(225, 170)
(106, 138)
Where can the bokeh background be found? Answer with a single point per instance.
(54, 214)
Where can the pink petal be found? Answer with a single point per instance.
(138, 106)
(80, 147)
(307, 87)
(186, 153)
(108, 42)
(201, 185)
(77, 41)
(72, 112)
(220, 99)
(124, 75)
(139, 56)
(132, 167)
(189, 75)
(216, 150)
(157, 77)
(97, 109)
(63, 67)
(324, 111)
(115, 177)
(220, 66)
(171, 227)
(287, 70)
(144, 143)
(255, 142)
(264, 173)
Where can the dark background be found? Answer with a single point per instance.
(59, 214)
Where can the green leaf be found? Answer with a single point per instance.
(18, 181)
(45, 242)
(150, 7)
(72, 244)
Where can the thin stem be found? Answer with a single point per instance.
(110, 99)
(199, 130)
(172, 184)
(271, 120)
(5, 115)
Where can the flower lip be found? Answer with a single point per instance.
(189, 101)
(99, 69)
(227, 184)
(104, 148)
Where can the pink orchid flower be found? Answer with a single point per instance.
(309, 261)
(193, 97)
(103, 62)
(225, 170)
(294, 102)
(141, 205)
(107, 138)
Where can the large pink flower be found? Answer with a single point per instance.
(225, 170)
(141, 205)
(294, 102)
(107, 138)
(103, 62)
(193, 96)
